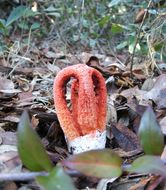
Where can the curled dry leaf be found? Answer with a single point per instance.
(85, 57)
(156, 93)
(7, 86)
(95, 63)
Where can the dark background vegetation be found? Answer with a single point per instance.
(106, 26)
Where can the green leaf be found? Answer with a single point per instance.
(158, 46)
(114, 3)
(152, 11)
(92, 43)
(57, 180)
(121, 45)
(55, 14)
(148, 164)
(116, 28)
(30, 148)
(96, 163)
(151, 137)
(30, 13)
(2, 24)
(51, 8)
(85, 23)
(131, 47)
(104, 20)
(23, 25)
(16, 14)
(35, 26)
(163, 29)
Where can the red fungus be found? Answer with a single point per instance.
(88, 99)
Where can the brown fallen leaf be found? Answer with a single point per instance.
(161, 104)
(128, 154)
(25, 99)
(158, 90)
(95, 63)
(10, 160)
(124, 82)
(126, 138)
(140, 15)
(148, 84)
(133, 92)
(138, 74)
(12, 118)
(55, 136)
(7, 86)
(8, 138)
(53, 68)
(34, 122)
(84, 57)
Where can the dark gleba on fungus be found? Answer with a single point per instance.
(84, 125)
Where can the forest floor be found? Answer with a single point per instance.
(27, 76)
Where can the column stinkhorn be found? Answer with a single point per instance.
(84, 125)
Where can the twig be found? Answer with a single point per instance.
(138, 37)
(21, 176)
(28, 176)
(151, 55)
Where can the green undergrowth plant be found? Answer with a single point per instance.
(96, 163)
(106, 25)
(19, 13)
(19, 18)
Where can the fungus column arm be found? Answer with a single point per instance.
(83, 102)
(64, 114)
(101, 99)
